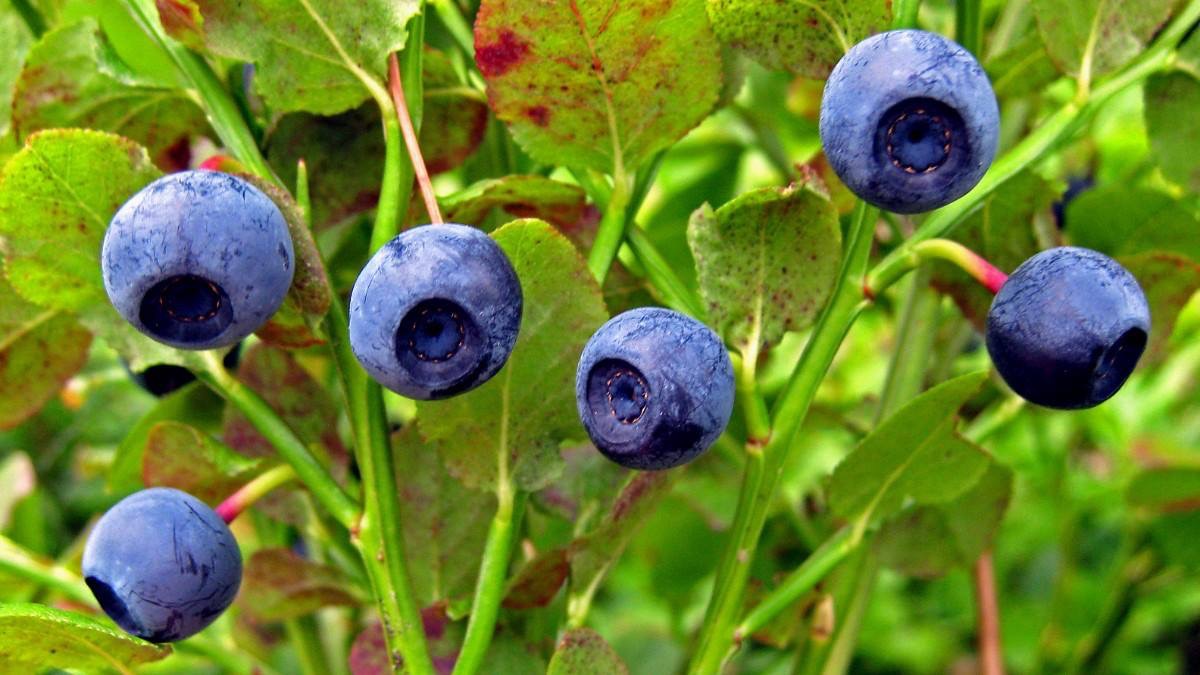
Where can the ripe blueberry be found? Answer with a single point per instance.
(1067, 328)
(198, 259)
(435, 312)
(162, 564)
(909, 121)
(654, 388)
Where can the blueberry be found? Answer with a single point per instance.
(161, 379)
(1067, 328)
(435, 312)
(654, 388)
(198, 259)
(909, 121)
(162, 564)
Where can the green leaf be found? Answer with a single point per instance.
(16, 38)
(597, 84)
(40, 349)
(73, 78)
(194, 404)
(1176, 535)
(912, 454)
(592, 554)
(1171, 101)
(35, 637)
(1098, 35)
(492, 202)
(582, 651)
(1170, 488)
(929, 541)
(1024, 68)
(339, 189)
(1122, 220)
(528, 409)
(806, 38)
(55, 206)
(278, 584)
(444, 534)
(295, 396)
(54, 209)
(767, 262)
(310, 55)
(185, 458)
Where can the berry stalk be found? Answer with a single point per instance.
(250, 493)
(396, 87)
(975, 265)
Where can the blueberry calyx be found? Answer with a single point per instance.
(919, 135)
(186, 308)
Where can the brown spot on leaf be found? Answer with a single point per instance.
(500, 57)
(539, 115)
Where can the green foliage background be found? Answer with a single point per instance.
(692, 124)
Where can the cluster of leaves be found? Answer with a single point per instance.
(693, 120)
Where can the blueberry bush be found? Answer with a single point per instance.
(599, 336)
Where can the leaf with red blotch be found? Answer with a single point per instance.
(594, 83)
(279, 584)
(73, 78)
(538, 581)
(583, 652)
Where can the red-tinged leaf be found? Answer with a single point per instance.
(583, 652)
(292, 392)
(538, 581)
(594, 83)
(74, 78)
(278, 584)
(40, 349)
(188, 459)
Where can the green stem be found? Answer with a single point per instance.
(303, 636)
(223, 113)
(16, 561)
(917, 328)
(906, 12)
(800, 581)
(489, 589)
(762, 476)
(1050, 133)
(456, 24)
(968, 25)
(378, 535)
(31, 16)
(293, 450)
(671, 289)
(612, 228)
(946, 250)
(250, 493)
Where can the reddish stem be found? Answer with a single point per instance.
(991, 660)
(396, 85)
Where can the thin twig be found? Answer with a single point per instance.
(991, 660)
(410, 139)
